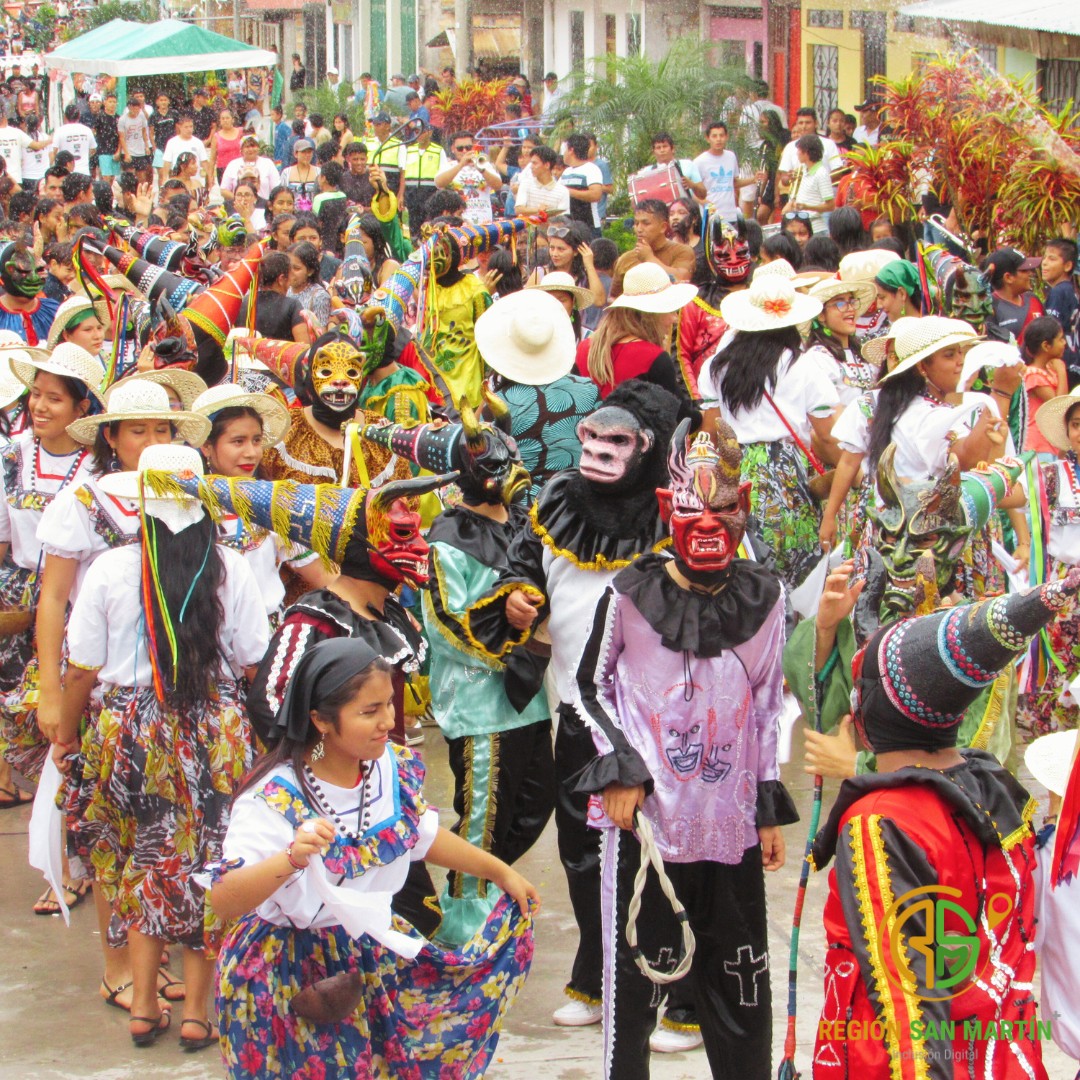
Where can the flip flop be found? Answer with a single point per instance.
(148, 1038)
(114, 994)
(45, 906)
(191, 1045)
(13, 797)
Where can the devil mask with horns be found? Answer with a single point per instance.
(485, 456)
(707, 504)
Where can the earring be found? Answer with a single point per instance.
(319, 750)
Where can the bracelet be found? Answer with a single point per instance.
(295, 865)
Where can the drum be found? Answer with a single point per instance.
(663, 182)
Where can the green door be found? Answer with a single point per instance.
(408, 36)
(378, 41)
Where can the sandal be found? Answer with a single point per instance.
(148, 1038)
(78, 892)
(167, 982)
(13, 797)
(114, 995)
(47, 904)
(201, 1043)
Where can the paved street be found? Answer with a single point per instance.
(55, 1027)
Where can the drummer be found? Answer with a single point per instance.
(663, 148)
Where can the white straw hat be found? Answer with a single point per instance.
(988, 354)
(647, 287)
(137, 399)
(779, 267)
(1049, 759)
(276, 419)
(527, 337)
(561, 281)
(863, 291)
(11, 388)
(1050, 419)
(865, 265)
(185, 384)
(771, 303)
(71, 307)
(176, 459)
(876, 349)
(67, 359)
(916, 339)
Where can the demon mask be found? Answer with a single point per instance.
(19, 272)
(396, 552)
(375, 337)
(706, 506)
(728, 253)
(491, 469)
(356, 283)
(334, 379)
(613, 446)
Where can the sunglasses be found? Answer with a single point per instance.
(463, 149)
(796, 215)
(558, 232)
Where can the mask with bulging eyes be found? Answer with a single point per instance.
(728, 253)
(613, 446)
(19, 271)
(336, 375)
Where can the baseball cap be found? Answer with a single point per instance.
(869, 103)
(413, 78)
(249, 139)
(381, 118)
(401, 77)
(1009, 261)
(332, 71)
(95, 97)
(303, 144)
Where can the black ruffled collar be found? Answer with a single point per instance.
(700, 623)
(485, 540)
(391, 632)
(992, 801)
(596, 532)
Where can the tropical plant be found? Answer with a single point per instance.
(327, 101)
(625, 100)
(469, 105)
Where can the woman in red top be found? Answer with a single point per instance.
(630, 341)
(225, 142)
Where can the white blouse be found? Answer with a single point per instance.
(30, 477)
(257, 831)
(1064, 541)
(106, 631)
(802, 390)
(265, 553)
(851, 376)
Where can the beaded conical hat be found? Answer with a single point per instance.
(152, 281)
(217, 308)
(158, 250)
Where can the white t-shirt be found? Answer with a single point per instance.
(816, 189)
(269, 177)
(35, 162)
(580, 178)
(789, 159)
(136, 132)
(177, 146)
(13, 142)
(77, 139)
(802, 390)
(552, 197)
(106, 629)
(869, 137)
(718, 173)
(474, 189)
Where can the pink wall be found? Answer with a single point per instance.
(725, 28)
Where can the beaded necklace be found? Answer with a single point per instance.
(363, 813)
(72, 469)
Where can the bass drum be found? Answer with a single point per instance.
(663, 182)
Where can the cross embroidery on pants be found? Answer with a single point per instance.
(746, 968)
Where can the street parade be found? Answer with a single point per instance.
(552, 580)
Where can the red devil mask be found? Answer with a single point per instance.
(728, 252)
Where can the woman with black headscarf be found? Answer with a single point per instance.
(322, 835)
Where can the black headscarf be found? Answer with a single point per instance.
(324, 668)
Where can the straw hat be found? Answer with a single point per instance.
(177, 511)
(561, 281)
(1050, 419)
(805, 281)
(137, 399)
(527, 337)
(1049, 759)
(831, 288)
(779, 267)
(67, 359)
(647, 287)
(989, 354)
(917, 339)
(275, 417)
(11, 388)
(877, 348)
(771, 303)
(865, 265)
(66, 312)
(186, 384)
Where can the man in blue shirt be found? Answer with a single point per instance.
(417, 110)
(1062, 301)
(282, 134)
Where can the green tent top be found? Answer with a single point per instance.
(124, 48)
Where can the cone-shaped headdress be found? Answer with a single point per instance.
(158, 250)
(152, 281)
(216, 309)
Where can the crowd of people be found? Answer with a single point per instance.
(308, 445)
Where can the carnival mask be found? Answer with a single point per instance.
(491, 469)
(397, 552)
(613, 444)
(707, 505)
(442, 255)
(972, 300)
(375, 337)
(336, 375)
(728, 253)
(355, 283)
(919, 519)
(19, 272)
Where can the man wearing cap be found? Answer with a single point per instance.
(1015, 305)
(415, 83)
(251, 161)
(424, 160)
(388, 154)
(869, 130)
(333, 77)
(205, 122)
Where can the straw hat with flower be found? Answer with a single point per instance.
(137, 399)
(647, 287)
(917, 339)
(1052, 418)
(770, 303)
(561, 281)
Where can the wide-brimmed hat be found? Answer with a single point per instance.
(275, 417)
(647, 287)
(527, 337)
(11, 387)
(876, 349)
(177, 510)
(67, 359)
(1049, 759)
(863, 291)
(1050, 419)
(186, 384)
(770, 303)
(988, 354)
(865, 265)
(72, 312)
(561, 281)
(776, 268)
(137, 399)
(917, 339)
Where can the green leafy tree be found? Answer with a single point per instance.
(625, 100)
(144, 11)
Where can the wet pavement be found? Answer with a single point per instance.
(56, 1027)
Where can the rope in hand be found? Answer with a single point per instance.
(650, 856)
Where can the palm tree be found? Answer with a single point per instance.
(625, 100)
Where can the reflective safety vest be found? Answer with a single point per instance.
(422, 166)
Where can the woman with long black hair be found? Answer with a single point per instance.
(165, 629)
(383, 263)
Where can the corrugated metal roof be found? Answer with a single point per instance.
(1055, 17)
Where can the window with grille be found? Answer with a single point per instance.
(825, 19)
(825, 64)
(633, 34)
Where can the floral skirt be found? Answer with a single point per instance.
(1041, 710)
(152, 803)
(436, 1017)
(787, 514)
(21, 743)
